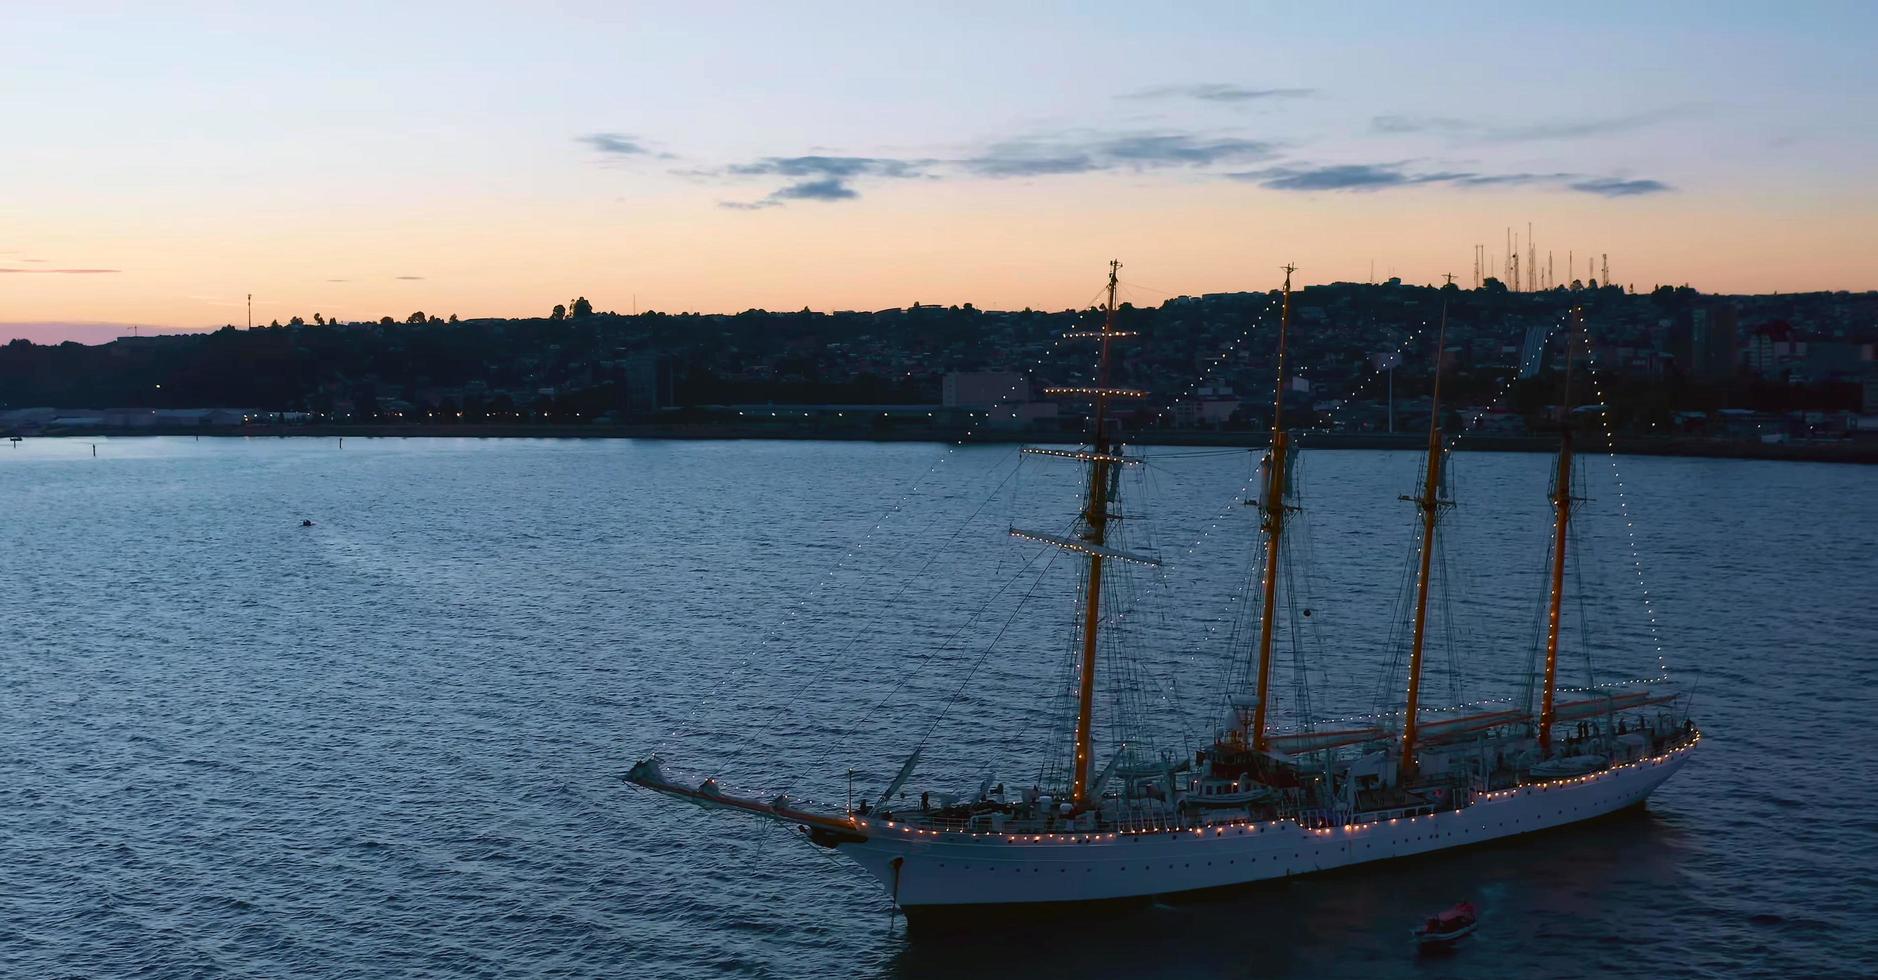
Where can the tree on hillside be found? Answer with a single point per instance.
(582, 308)
(417, 317)
(560, 312)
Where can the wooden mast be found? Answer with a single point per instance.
(1273, 524)
(1562, 515)
(1429, 503)
(1096, 521)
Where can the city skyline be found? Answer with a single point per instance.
(484, 161)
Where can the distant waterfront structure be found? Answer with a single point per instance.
(1005, 395)
(1771, 347)
(982, 389)
(647, 382)
(1208, 406)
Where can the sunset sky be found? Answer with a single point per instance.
(363, 160)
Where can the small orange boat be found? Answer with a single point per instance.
(1448, 927)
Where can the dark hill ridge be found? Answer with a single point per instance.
(1667, 351)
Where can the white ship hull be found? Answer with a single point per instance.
(939, 871)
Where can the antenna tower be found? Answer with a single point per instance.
(1532, 261)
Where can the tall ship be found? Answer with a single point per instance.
(1253, 801)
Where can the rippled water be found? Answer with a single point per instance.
(390, 744)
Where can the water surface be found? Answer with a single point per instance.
(390, 743)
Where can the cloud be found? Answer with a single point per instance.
(1096, 152)
(1335, 177)
(1380, 176)
(338, 280)
(413, 278)
(840, 168)
(1023, 159)
(1216, 92)
(823, 189)
(823, 178)
(618, 144)
(1614, 187)
(62, 272)
(833, 178)
(1487, 132)
(826, 189)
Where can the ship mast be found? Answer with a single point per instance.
(1273, 524)
(1562, 510)
(1096, 522)
(1430, 504)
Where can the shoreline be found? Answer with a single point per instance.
(1836, 451)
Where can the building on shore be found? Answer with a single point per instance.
(1713, 342)
(1004, 397)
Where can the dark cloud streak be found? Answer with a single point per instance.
(1614, 187)
(821, 178)
(839, 168)
(826, 189)
(1137, 151)
(618, 144)
(831, 177)
(1487, 132)
(1381, 176)
(1217, 92)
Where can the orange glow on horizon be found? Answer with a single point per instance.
(995, 245)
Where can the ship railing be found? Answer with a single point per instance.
(1126, 820)
(1313, 818)
(1140, 821)
(1395, 813)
